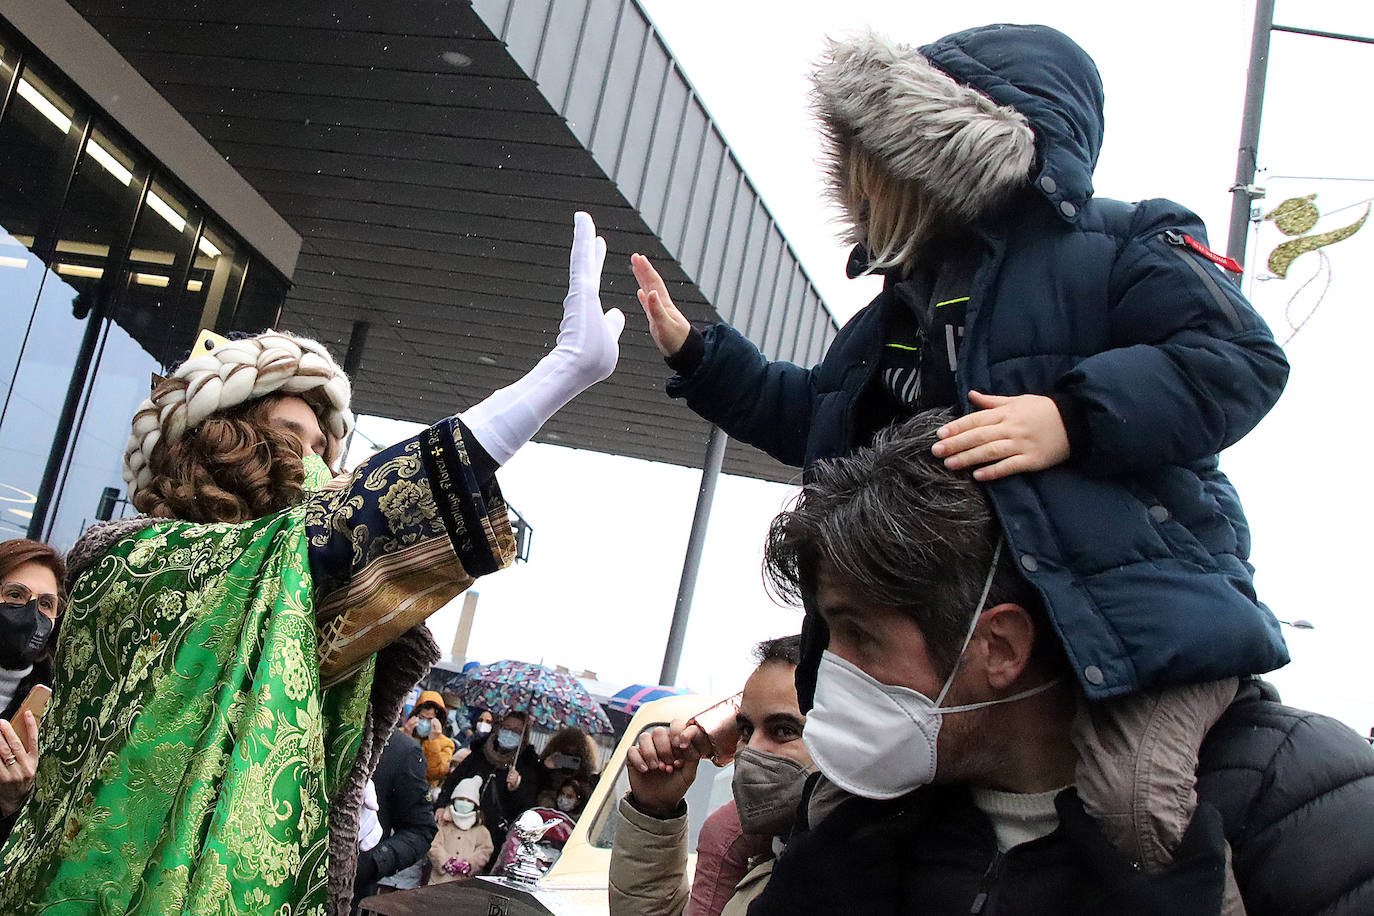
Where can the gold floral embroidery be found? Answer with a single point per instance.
(187, 741)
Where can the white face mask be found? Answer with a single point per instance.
(464, 813)
(877, 740)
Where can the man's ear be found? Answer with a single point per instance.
(1009, 636)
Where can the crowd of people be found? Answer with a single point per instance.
(1028, 678)
(436, 811)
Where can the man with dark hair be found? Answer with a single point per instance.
(786, 649)
(648, 861)
(943, 726)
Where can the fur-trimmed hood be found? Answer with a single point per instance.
(975, 117)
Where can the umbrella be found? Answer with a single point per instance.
(552, 699)
(636, 695)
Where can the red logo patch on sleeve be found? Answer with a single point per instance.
(1220, 260)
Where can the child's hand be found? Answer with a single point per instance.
(668, 326)
(1008, 436)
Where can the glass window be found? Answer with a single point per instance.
(93, 302)
(214, 279)
(159, 265)
(121, 379)
(40, 324)
(9, 59)
(95, 227)
(259, 305)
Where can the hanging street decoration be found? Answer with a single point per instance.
(1295, 216)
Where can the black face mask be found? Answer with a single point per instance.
(24, 632)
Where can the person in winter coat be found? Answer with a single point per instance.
(426, 723)
(1098, 356)
(31, 598)
(568, 755)
(647, 874)
(945, 712)
(404, 815)
(463, 846)
(510, 771)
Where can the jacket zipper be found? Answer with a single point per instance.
(985, 886)
(1179, 246)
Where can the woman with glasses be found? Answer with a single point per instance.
(31, 577)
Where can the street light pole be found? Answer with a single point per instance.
(1243, 192)
(677, 632)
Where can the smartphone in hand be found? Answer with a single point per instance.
(36, 702)
(721, 725)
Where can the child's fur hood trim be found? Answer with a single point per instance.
(968, 154)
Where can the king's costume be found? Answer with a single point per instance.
(224, 691)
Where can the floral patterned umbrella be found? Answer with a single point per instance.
(551, 698)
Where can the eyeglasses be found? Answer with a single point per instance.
(17, 593)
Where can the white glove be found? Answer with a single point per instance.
(586, 353)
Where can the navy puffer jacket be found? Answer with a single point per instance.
(1294, 792)
(1138, 544)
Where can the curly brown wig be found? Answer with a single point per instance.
(234, 467)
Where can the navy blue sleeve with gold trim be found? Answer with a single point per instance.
(418, 490)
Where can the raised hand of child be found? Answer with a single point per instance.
(1008, 435)
(667, 325)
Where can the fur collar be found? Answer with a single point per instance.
(969, 154)
(99, 538)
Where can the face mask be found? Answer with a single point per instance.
(507, 740)
(24, 632)
(877, 740)
(464, 813)
(422, 728)
(566, 804)
(317, 473)
(482, 728)
(768, 791)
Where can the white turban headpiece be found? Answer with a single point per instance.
(231, 373)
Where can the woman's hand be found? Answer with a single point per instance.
(668, 326)
(17, 763)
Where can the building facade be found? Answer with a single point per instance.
(395, 180)
(108, 269)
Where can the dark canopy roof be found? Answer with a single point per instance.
(430, 155)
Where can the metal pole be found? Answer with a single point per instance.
(1241, 197)
(677, 633)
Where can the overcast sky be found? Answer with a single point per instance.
(610, 533)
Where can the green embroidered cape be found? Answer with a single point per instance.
(191, 751)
